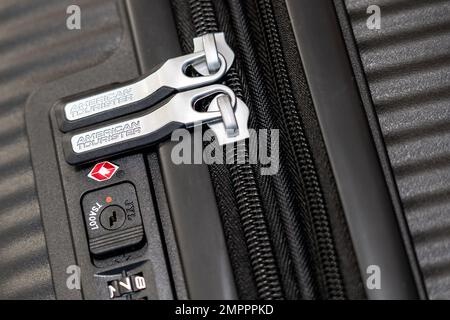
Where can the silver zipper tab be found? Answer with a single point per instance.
(169, 79)
(158, 123)
(171, 74)
(234, 124)
(206, 44)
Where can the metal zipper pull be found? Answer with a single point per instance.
(149, 127)
(167, 80)
(233, 126)
(210, 43)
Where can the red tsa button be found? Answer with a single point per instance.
(103, 171)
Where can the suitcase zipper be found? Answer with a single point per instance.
(212, 58)
(325, 243)
(249, 204)
(327, 282)
(186, 78)
(226, 116)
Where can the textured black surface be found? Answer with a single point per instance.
(407, 65)
(35, 48)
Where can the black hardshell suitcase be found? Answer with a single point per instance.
(341, 217)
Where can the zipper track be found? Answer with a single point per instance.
(247, 195)
(299, 209)
(325, 242)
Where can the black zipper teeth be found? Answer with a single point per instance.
(255, 232)
(248, 199)
(280, 211)
(244, 184)
(324, 238)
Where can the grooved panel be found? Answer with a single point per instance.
(407, 66)
(36, 47)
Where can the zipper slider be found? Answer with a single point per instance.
(226, 115)
(170, 78)
(233, 126)
(211, 43)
